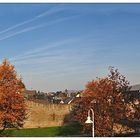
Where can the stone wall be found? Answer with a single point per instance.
(45, 115)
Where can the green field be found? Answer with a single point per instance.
(58, 131)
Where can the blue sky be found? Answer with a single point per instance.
(63, 46)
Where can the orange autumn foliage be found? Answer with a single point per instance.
(105, 96)
(12, 104)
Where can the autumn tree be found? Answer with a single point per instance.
(12, 103)
(120, 84)
(105, 96)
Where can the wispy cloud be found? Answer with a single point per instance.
(42, 51)
(37, 27)
(46, 13)
(54, 10)
(45, 51)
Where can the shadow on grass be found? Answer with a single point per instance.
(59, 131)
(72, 129)
(6, 133)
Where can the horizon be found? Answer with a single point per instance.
(63, 46)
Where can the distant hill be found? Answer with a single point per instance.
(135, 87)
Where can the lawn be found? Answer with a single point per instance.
(58, 131)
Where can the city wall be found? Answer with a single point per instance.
(45, 115)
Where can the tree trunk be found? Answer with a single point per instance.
(2, 130)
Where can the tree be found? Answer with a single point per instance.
(12, 103)
(106, 97)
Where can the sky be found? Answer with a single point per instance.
(63, 46)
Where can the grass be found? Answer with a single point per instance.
(58, 131)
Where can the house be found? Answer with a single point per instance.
(133, 93)
(61, 102)
(29, 94)
(72, 99)
(61, 95)
(78, 94)
(68, 100)
(135, 87)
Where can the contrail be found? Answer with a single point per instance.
(36, 27)
(43, 50)
(46, 13)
